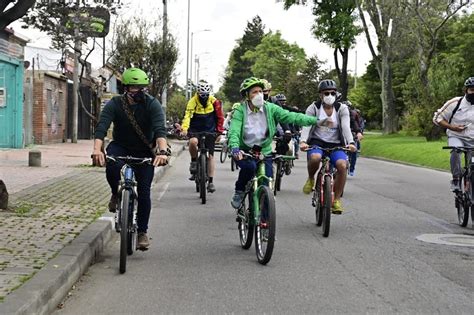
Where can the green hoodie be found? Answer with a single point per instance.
(275, 114)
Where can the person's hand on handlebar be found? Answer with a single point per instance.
(237, 154)
(98, 158)
(352, 147)
(303, 146)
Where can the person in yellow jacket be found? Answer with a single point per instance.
(203, 114)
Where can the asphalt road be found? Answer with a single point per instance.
(370, 263)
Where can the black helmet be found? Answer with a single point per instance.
(327, 85)
(280, 97)
(469, 82)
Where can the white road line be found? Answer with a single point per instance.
(162, 192)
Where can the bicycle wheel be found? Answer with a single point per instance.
(265, 229)
(131, 241)
(278, 174)
(326, 206)
(223, 153)
(202, 177)
(246, 223)
(462, 204)
(317, 201)
(232, 164)
(124, 233)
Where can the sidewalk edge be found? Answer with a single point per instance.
(51, 284)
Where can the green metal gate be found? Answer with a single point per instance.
(11, 102)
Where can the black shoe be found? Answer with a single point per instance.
(193, 167)
(193, 177)
(113, 203)
(211, 188)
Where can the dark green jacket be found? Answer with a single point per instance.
(275, 114)
(149, 116)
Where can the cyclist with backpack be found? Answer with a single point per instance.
(333, 130)
(203, 114)
(457, 116)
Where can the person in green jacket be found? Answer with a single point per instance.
(254, 124)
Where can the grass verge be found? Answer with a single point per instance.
(407, 149)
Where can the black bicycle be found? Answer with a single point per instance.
(323, 190)
(464, 196)
(201, 177)
(126, 215)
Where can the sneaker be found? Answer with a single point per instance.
(193, 167)
(211, 188)
(143, 242)
(113, 203)
(192, 177)
(237, 199)
(455, 185)
(308, 186)
(337, 207)
(351, 173)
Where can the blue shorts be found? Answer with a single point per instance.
(334, 157)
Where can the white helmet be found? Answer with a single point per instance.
(203, 89)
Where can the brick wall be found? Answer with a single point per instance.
(49, 108)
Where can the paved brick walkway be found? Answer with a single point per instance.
(50, 206)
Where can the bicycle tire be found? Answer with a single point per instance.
(202, 177)
(246, 226)
(232, 164)
(124, 230)
(130, 239)
(326, 207)
(277, 178)
(196, 178)
(317, 202)
(266, 227)
(462, 204)
(223, 153)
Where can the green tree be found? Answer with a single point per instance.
(335, 26)
(276, 60)
(302, 87)
(176, 106)
(238, 68)
(136, 46)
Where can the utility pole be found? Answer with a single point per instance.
(165, 40)
(187, 57)
(75, 74)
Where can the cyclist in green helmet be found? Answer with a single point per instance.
(150, 119)
(254, 124)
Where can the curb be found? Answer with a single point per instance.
(51, 284)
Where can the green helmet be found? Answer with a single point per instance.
(135, 76)
(249, 83)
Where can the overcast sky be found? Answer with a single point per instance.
(226, 20)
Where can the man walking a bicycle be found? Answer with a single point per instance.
(203, 114)
(254, 123)
(139, 125)
(457, 116)
(333, 130)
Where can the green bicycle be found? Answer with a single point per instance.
(257, 214)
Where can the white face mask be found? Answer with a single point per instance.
(258, 100)
(329, 100)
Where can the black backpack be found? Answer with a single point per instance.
(354, 124)
(455, 110)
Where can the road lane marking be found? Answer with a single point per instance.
(448, 239)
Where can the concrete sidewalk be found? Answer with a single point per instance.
(51, 235)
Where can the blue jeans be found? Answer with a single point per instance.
(248, 168)
(353, 157)
(143, 175)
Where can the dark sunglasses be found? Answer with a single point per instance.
(329, 93)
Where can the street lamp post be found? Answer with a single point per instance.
(187, 56)
(196, 60)
(191, 54)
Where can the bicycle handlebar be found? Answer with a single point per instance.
(130, 160)
(463, 149)
(327, 150)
